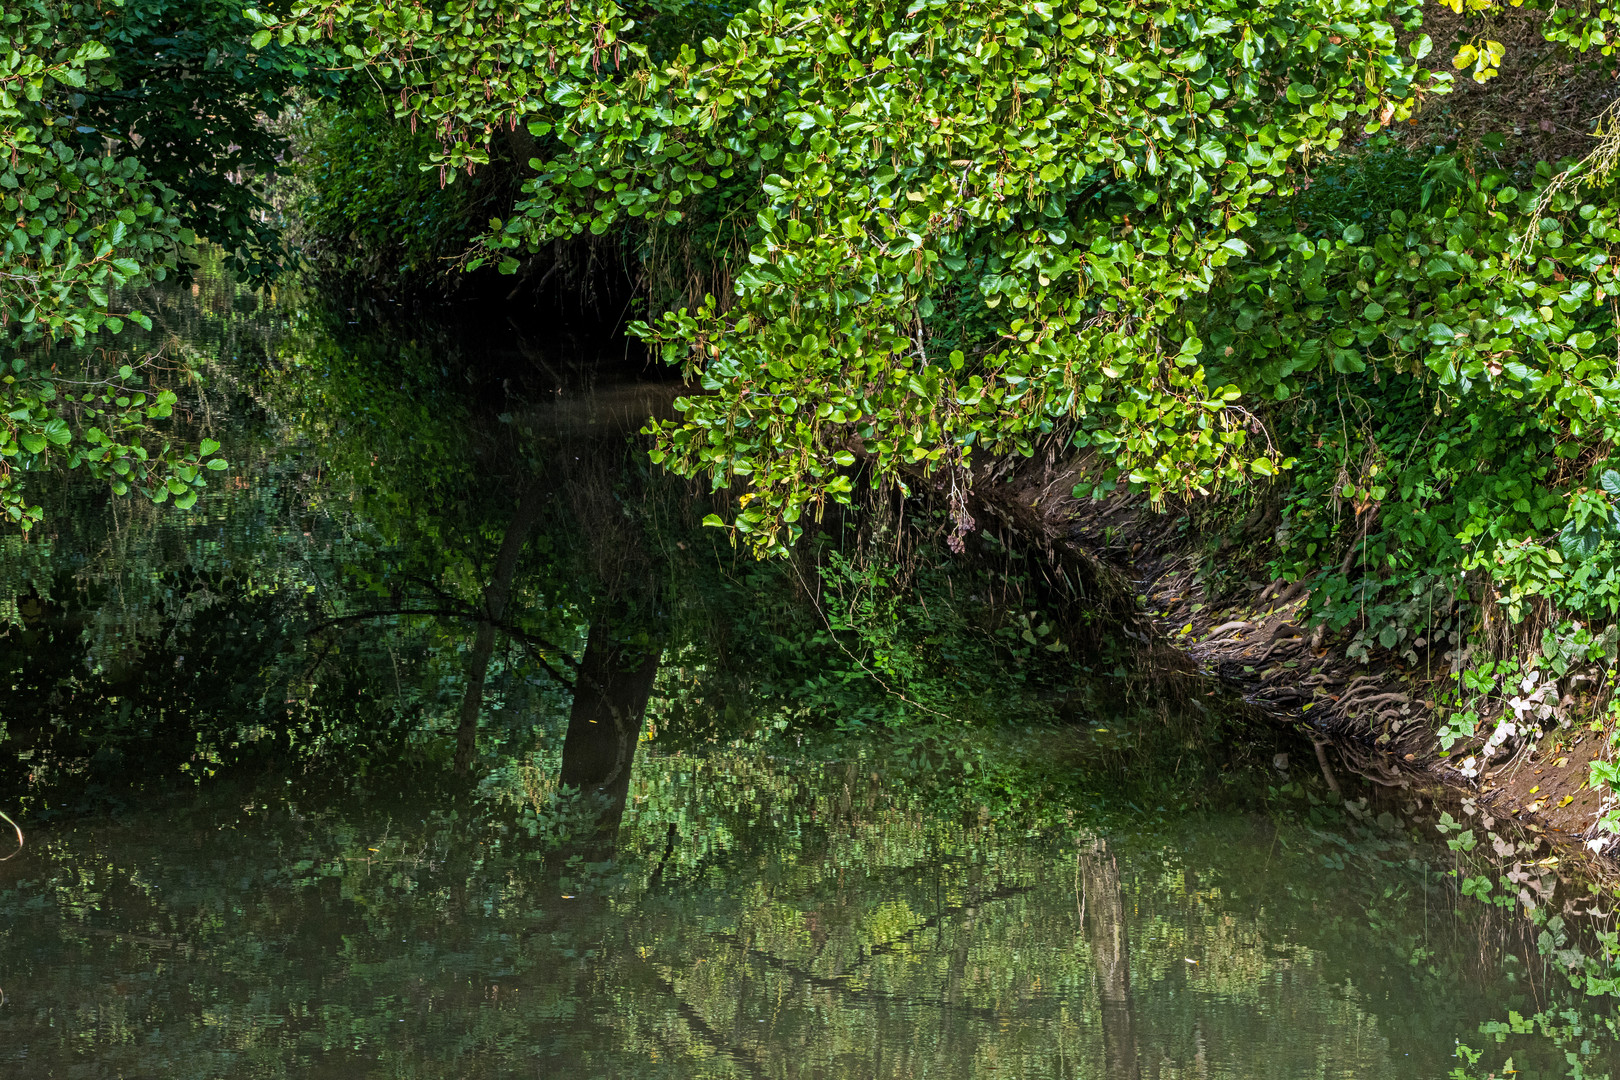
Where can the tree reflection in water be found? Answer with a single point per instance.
(407, 575)
(1106, 931)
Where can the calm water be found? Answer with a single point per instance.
(1040, 878)
(765, 917)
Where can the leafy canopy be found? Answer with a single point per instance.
(125, 130)
(1083, 169)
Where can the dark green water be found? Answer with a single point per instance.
(866, 832)
(763, 917)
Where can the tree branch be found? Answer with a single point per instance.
(533, 643)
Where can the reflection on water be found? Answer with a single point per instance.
(764, 917)
(623, 829)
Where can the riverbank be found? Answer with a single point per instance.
(1203, 597)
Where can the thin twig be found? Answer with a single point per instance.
(528, 639)
(14, 825)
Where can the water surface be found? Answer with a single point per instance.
(763, 916)
(828, 828)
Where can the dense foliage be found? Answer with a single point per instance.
(1178, 241)
(1181, 242)
(1185, 243)
(125, 130)
(964, 228)
(1083, 172)
(959, 228)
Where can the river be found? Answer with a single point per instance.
(295, 764)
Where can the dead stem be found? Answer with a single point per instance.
(14, 825)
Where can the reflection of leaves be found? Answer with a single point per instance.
(778, 881)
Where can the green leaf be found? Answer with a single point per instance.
(261, 39)
(1348, 361)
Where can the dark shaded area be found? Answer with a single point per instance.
(440, 541)
(604, 726)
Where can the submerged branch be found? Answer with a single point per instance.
(14, 825)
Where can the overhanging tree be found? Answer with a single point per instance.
(1078, 173)
(126, 130)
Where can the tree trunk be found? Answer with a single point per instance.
(1111, 954)
(611, 690)
(496, 595)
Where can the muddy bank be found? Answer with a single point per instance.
(1377, 717)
